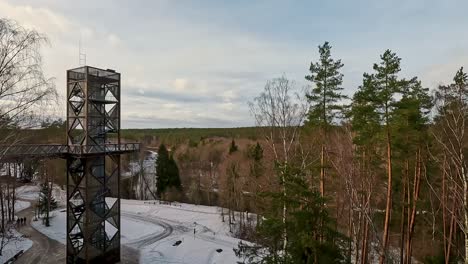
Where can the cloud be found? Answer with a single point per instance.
(443, 73)
(198, 64)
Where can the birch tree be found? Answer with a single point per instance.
(451, 134)
(279, 113)
(24, 91)
(23, 87)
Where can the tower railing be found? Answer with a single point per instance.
(43, 150)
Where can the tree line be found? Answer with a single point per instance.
(363, 179)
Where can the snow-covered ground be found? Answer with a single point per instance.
(154, 229)
(14, 245)
(14, 240)
(211, 233)
(131, 229)
(28, 192)
(31, 192)
(20, 205)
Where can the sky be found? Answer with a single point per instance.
(198, 63)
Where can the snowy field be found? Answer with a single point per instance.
(154, 229)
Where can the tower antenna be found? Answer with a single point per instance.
(81, 55)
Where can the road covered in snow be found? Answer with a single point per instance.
(177, 233)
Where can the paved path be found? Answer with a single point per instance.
(44, 250)
(49, 251)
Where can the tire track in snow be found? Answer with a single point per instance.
(152, 238)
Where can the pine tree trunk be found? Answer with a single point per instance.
(388, 207)
(416, 190)
(403, 212)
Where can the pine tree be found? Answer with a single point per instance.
(410, 135)
(364, 117)
(44, 205)
(376, 111)
(256, 154)
(173, 172)
(167, 171)
(304, 224)
(365, 124)
(387, 85)
(162, 162)
(325, 99)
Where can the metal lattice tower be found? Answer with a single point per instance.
(93, 170)
(93, 164)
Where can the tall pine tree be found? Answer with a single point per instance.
(325, 99)
(167, 172)
(46, 202)
(376, 109)
(387, 85)
(365, 124)
(410, 135)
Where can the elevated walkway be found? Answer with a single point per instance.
(39, 151)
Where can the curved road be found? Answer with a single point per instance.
(150, 239)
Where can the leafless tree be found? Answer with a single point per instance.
(278, 113)
(451, 134)
(23, 87)
(24, 92)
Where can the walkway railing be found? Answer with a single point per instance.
(42, 150)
